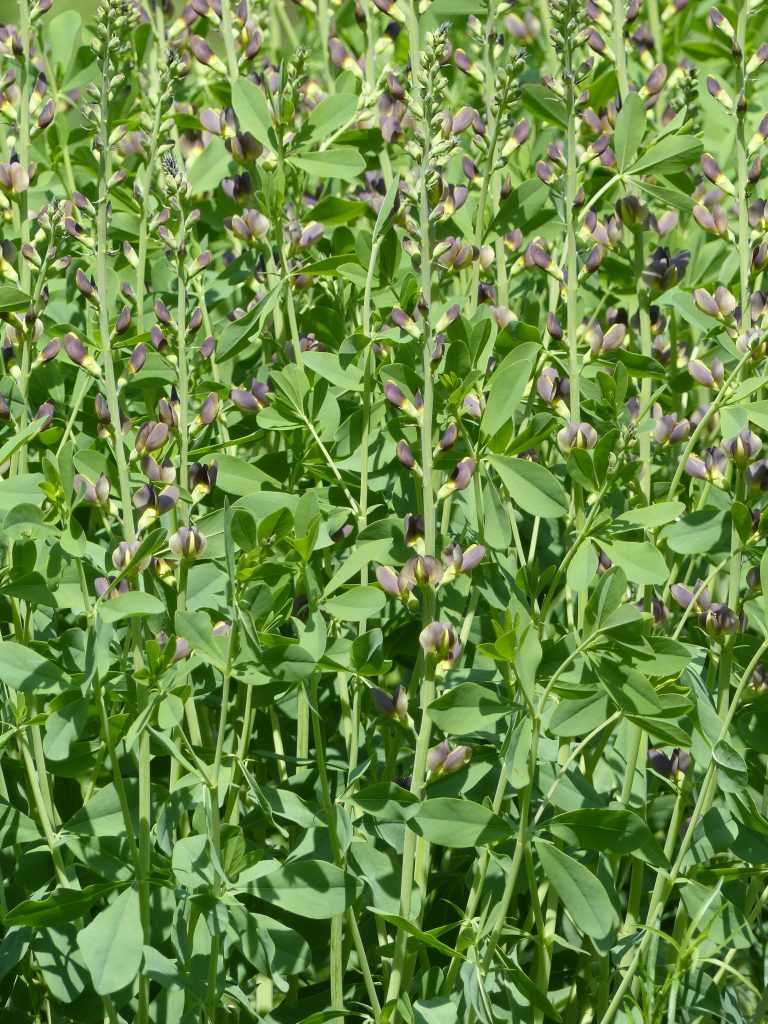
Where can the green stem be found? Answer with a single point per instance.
(411, 864)
(665, 881)
(619, 17)
(229, 41)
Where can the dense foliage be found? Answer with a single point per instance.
(383, 566)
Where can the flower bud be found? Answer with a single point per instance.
(78, 353)
(576, 435)
(459, 479)
(187, 542)
(405, 455)
(124, 555)
(202, 480)
(150, 438)
(394, 706)
(744, 447)
(444, 759)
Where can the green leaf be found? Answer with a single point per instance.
(331, 114)
(19, 439)
(22, 668)
(309, 888)
(252, 111)
(532, 486)
(340, 162)
(578, 717)
(630, 129)
(426, 938)
(467, 708)
(61, 907)
(327, 365)
(356, 604)
(450, 821)
(386, 801)
(668, 156)
(209, 167)
(583, 895)
(12, 300)
(650, 517)
(614, 830)
(238, 476)
(541, 102)
(197, 630)
(508, 385)
(111, 945)
(641, 561)
(131, 605)
(698, 532)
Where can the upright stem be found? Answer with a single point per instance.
(105, 171)
(129, 530)
(493, 132)
(665, 881)
(183, 374)
(229, 41)
(24, 265)
(574, 362)
(619, 17)
(734, 567)
(427, 691)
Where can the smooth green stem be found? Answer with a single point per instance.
(302, 730)
(64, 877)
(183, 374)
(413, 864)
(517, 857)
(619, 17)
(368, 368)
(28, 74)
(665, 881)
(110, 383)
(329, 809)
(493, 135)
(227, 32)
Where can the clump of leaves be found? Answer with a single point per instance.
(383, 560)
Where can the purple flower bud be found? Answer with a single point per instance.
(162, 313)
(448, 437)
(245, 401)
(150, 437)
(554, 327)
(439, 639)
(459, 479)
(167, 413)
(125, 555)
(388, 580)
(472, 557)
(195, 321)
(744, 447)
(187, 542)
(312, 233)
(576, 435)
(202, 479)
(422, 571)
(45, 413)
(703, 375)
(472, 407)
(414, 530)
(444, 759)
(405, 455)
(207, 347)
(209, 409)
(84, 285)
